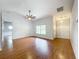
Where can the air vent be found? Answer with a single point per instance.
(59, 9)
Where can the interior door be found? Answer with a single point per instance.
(7, 34)
(63, 28)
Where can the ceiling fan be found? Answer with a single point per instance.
(29, 16)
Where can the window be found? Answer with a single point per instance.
(41, 29)
(38, 29)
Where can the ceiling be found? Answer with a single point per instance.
(39, 8)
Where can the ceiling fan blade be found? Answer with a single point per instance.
(33, 17)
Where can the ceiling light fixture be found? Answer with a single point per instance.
(29, 16)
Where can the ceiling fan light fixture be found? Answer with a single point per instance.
(29, 16)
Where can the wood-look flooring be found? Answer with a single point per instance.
(36, 48)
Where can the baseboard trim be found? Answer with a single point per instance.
(73, 48)
(34, 37)
(62, 38)
(41, 37)
(21, 37)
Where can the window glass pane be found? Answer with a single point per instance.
(38, 29)
(43, 29)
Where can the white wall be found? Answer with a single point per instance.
(48, 21)
(74, 28)
(0, 30)
(21, 27)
